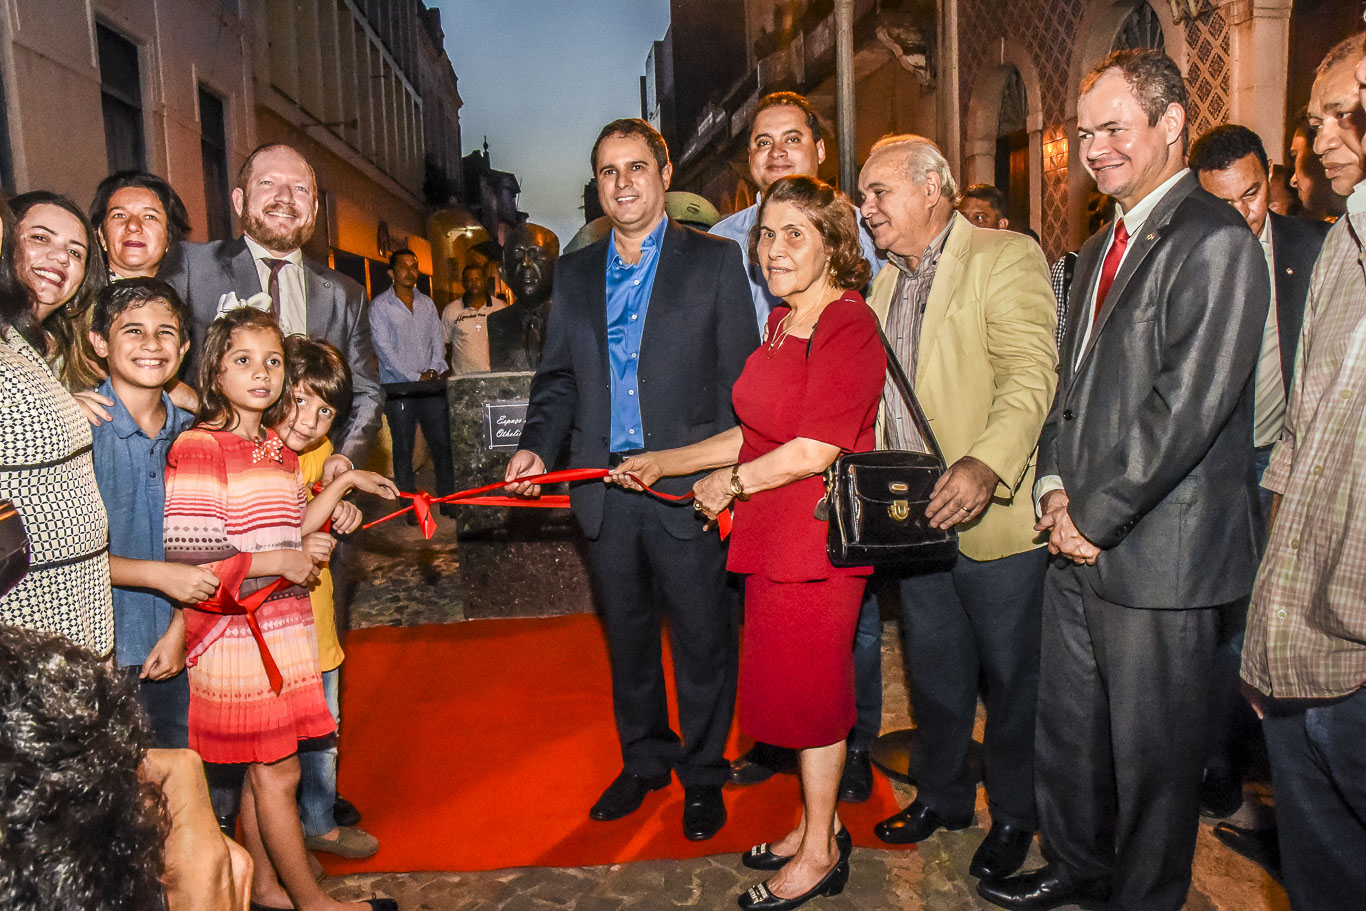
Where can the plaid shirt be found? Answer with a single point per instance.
(904, 319)
(1306, 630)
(1060, 277)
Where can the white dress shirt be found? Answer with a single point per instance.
(293, 298)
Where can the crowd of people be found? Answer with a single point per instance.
(1150, 451)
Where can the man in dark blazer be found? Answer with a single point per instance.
(1147, 491)
(1230, 162)
(276, 200)
(648, 331)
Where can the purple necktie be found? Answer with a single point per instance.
(273, 287)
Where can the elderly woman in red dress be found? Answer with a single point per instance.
(808, 393)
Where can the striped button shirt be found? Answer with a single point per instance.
(904, 319)
(1306, 630)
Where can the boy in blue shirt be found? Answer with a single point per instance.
(140, 328)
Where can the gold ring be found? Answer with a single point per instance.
(696, 505)
(965, 509)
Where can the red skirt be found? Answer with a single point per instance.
(797, 663)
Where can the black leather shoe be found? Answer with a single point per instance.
(1221, 793)
(760, 857)
(625, 795)
(344, 813)
(759, 898)
(760, 763)
(916, 823)
(1261, 846)
(704, 812)
(1001, 852)
(856, 783)
(1042, 889)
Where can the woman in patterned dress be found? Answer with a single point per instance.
(46, 470)
(235, 503)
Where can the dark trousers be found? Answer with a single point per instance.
(633, 559)
(1318, 770)
(867, 673)
(1123, 700)
(975, 626)
(1234, 730)
(404, 415)
(167, 705)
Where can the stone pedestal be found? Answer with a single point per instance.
(513, 562)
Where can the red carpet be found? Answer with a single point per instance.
(481, 745)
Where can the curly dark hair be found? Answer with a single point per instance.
(129, 293)
(15, 312)
(68, 326)
(321, 369)
(833, 215)
(78, 827)
(1221, 146)
(214, 408)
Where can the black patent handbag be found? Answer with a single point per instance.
(876, 501)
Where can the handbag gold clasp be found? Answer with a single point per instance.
(898, 487)
(899, 510)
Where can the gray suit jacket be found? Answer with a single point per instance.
(203, 273)
(1151, 428)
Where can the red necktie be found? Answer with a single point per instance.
(273, 287)
(1111, 266)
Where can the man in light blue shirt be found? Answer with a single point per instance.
(785, 140)
(406, 330)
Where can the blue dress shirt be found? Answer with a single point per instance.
(408, 342)
(130, 470)
(737, 228)
(628, 298)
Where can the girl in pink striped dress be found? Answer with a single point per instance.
(235, 503)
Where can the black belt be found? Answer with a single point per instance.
(616, 458)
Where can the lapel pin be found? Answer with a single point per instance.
(1289, 271)
(1151, 237)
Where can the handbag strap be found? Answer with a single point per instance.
(903, 385)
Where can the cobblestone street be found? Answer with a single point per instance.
(406, 581)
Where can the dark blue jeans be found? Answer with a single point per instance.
(1318, 770)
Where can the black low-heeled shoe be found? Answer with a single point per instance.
(761, 898)
(760, 857)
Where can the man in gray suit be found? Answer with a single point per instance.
(276, 200)
(1146, 489)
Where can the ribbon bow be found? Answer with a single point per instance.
(272, 448)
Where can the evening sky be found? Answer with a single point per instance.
(539, 78)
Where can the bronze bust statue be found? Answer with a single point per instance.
(516, 333)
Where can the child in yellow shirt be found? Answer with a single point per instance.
(318, 381)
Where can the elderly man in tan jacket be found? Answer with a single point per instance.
(970, 314)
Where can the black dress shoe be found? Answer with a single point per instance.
(916, 823)
(704, 812)
(760, 898)
(760, 857)
(1042, 889)
(344, 813)
(1001, 852)
(1221, 793)
(625, 795)
(1261, 846)
(856, 783)
(760, 763)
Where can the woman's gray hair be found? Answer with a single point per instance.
(922, 157)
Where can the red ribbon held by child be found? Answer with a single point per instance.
(422, 501)
(228, 602)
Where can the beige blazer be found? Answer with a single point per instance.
(987, 371)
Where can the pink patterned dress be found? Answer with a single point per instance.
(226, 499)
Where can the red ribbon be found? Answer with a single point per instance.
(226, 601)
(422, 501)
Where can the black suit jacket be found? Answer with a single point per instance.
(203, 273)
(699, 330)
(1151, 427)
(1295, 245)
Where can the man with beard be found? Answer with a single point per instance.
(517, 333)
(276, 200)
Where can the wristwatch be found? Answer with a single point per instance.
(737, 489)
